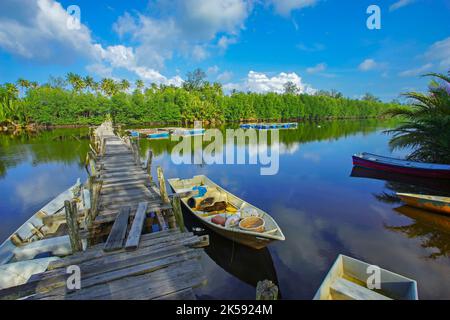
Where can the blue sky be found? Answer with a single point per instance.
(248, 45)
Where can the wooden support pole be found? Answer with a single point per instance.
(162, 185)
(136, 153)
(165, 198)
(176, 207)
(148, 166)
(266, 290)
(72, 225)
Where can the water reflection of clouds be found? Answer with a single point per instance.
(313, 243)
(398, 254)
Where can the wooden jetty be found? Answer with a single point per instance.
(137, 247)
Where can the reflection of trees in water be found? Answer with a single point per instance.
(306, 132)
(432, 228)
(60, 145)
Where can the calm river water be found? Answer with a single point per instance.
(323, 207)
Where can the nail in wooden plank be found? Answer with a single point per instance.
(136, 229)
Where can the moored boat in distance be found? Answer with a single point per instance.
(254, 239)
(421, 169)
(269, 126)
(158, 135)
(427, 202)
(348, 279)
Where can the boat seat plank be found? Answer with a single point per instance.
(136, 228)
(342, 289)
(118, 231)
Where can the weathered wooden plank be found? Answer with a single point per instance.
(118, 231)
(137, 177)
(136, 228)
(129, 192)
(161, 221)
(126, 184)
(94, 252)
(114, 267)
(120, 201)
(126, 189)
(107, 215)
(186, 274)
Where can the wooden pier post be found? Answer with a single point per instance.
(165, 198)
(176, 206)
(72, 225)
(148, 166)
(266, 290)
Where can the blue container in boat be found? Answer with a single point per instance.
(159, 135)
(134, 134)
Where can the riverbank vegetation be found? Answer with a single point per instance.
(426, 129)
(78, 100)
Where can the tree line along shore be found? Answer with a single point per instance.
(77, 100)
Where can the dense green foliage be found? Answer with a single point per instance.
(427, 128)
(78, 100)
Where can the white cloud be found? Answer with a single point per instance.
(261, 83)
(285, 7)
(100, 70)
(225, 76)
(417, 71)
(367, 65)
(186, 27)
(400, 4)
(318, 68)
(439, 52)
(213, 70)
(224, 42)
(38, 30)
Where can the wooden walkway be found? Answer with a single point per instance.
(126, 257)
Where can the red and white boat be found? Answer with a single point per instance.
(421, 169)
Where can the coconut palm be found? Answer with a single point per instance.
(90, 83)
(76, 81)
(124, 85)
(140, 84)
(109, 87)
(11, 90)
(23, 83)
(426, 129)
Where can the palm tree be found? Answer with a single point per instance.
(140, 84)
(124, 85)
(426, 129)
(23, 83)
(109, 87)
(76, 82)
(90, 83)
(11, 90)
(34, 85)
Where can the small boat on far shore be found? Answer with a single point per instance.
(433, 203)
(421, 169)
(348, 280)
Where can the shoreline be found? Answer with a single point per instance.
(36, 127)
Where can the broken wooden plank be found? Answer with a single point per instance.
(161, 221)
(136, 229)
(118, 231)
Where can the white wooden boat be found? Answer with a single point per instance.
(34, 228)
(347, 280)
(256, 240)
(18, 253)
